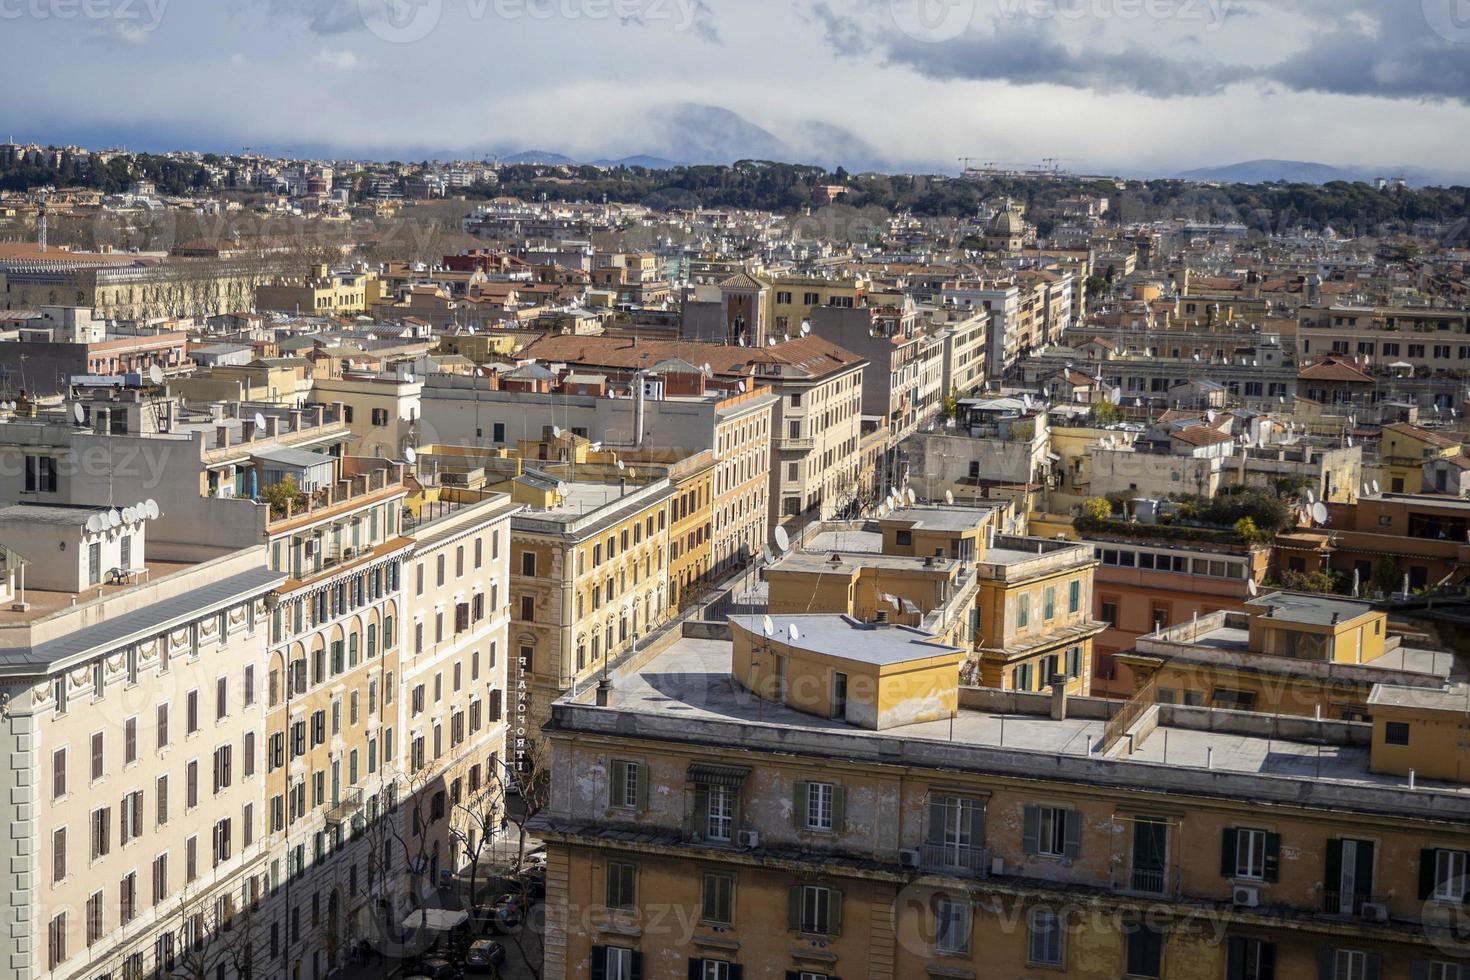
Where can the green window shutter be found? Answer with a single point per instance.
(977, 825)
(1031, 830)
(1327, 963)
(616, 776)
(793, 909)
(1427, 859)
(1273, 857)
(1333, 876)
(699, 819)
(1074, 834)
(1373, 967)
(1363, 872)
(834, 912)
(839, 807)
(642, 787)
(1227, 852)
(935, 824)
(799, 805)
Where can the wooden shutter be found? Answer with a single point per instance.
(977, 824)
(1031, 830)
(1272, 864)
(637, 970)
(935, 829)
(1267, 963)
(1073, 834)
(793, 908)
(599, 963)
(1420, 970)
(834, 912)
(616, 779)
(1327, 963)
(1363, 874)
(1428, 857)
(1373, 967)
(839, 807)
(642, 788)
(1332, 879)
(1227, 852)
(696, 968)
(799, 805)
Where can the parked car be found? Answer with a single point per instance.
(435, 968)
(508, 912)
(484, 956)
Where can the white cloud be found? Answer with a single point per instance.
(337, 60)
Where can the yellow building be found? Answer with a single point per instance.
(1018, 837)
(1403, 449)
(1035, 619)
(791, 299)
(323, 293)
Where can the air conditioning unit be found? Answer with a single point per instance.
(1375, 912)
(1245, 896)
(750, 838)
(908, 857)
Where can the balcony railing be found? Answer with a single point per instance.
(954, 858)
(1149, 880)
(344, 808)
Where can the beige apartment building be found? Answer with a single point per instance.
(132, 714)
(742, 505)
(453, 667)
(331, 755)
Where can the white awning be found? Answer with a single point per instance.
(435, 920)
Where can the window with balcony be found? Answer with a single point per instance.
(815, 910)
(1254, 855)
(1045, 943)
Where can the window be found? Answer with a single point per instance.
(951, 926)
(58, 774)
(1052, 831)
(528, 609)
(717, 898)
(706, 969)
(1023, 611)
(1349, 964)
(1145, 950)
(815, 909)
(818, 806)
(1110, 613)
(1047, 930)
(94, 918)
(719, 812)
(101, 824)
(58, 854)
(620, 879)
(528, 563)
(1250, 959)
(1396, 733)
(40, 474)
(616, 963)
(1049, 603)
(628, 785)
(1074, 596)
(1442, 875)
(1251, 854)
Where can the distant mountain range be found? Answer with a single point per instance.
(1299, 172)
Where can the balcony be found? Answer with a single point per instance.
(796, 444)
(343, 810)
(1150, 881)
(959, 859)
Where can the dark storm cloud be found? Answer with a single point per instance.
(1398, 49)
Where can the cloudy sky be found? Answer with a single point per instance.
(1110, 85)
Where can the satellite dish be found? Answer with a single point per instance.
(150, 508)
(155, 374)
(129, 516)
(1319, 512)
(793, 633)
(1026, 402)
(806, 327)
(1117, 394)
(782, 539)
(77, 413)
(949, 496)
(556, 432)
(707, 369)
(259, 422)
(622, 465)
(768, 627)
(1252, 587)
(1311, 497)
(1376, 488)
(740, 387)
(92, 527)
(562, 489)
(1350, 442)
(1210, 416)
(408, 378)
(114, 518)
(632, 473)
(411, 454)
(912, 497)
(479, 372)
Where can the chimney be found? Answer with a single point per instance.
(273, 425)
(222, 436)
(1059, 699)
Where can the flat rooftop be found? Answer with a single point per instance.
(867, 542)
(851, 639)
(940, 518)
(43, 602)
(816, 562)
(691, 680)
(1310, 610)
